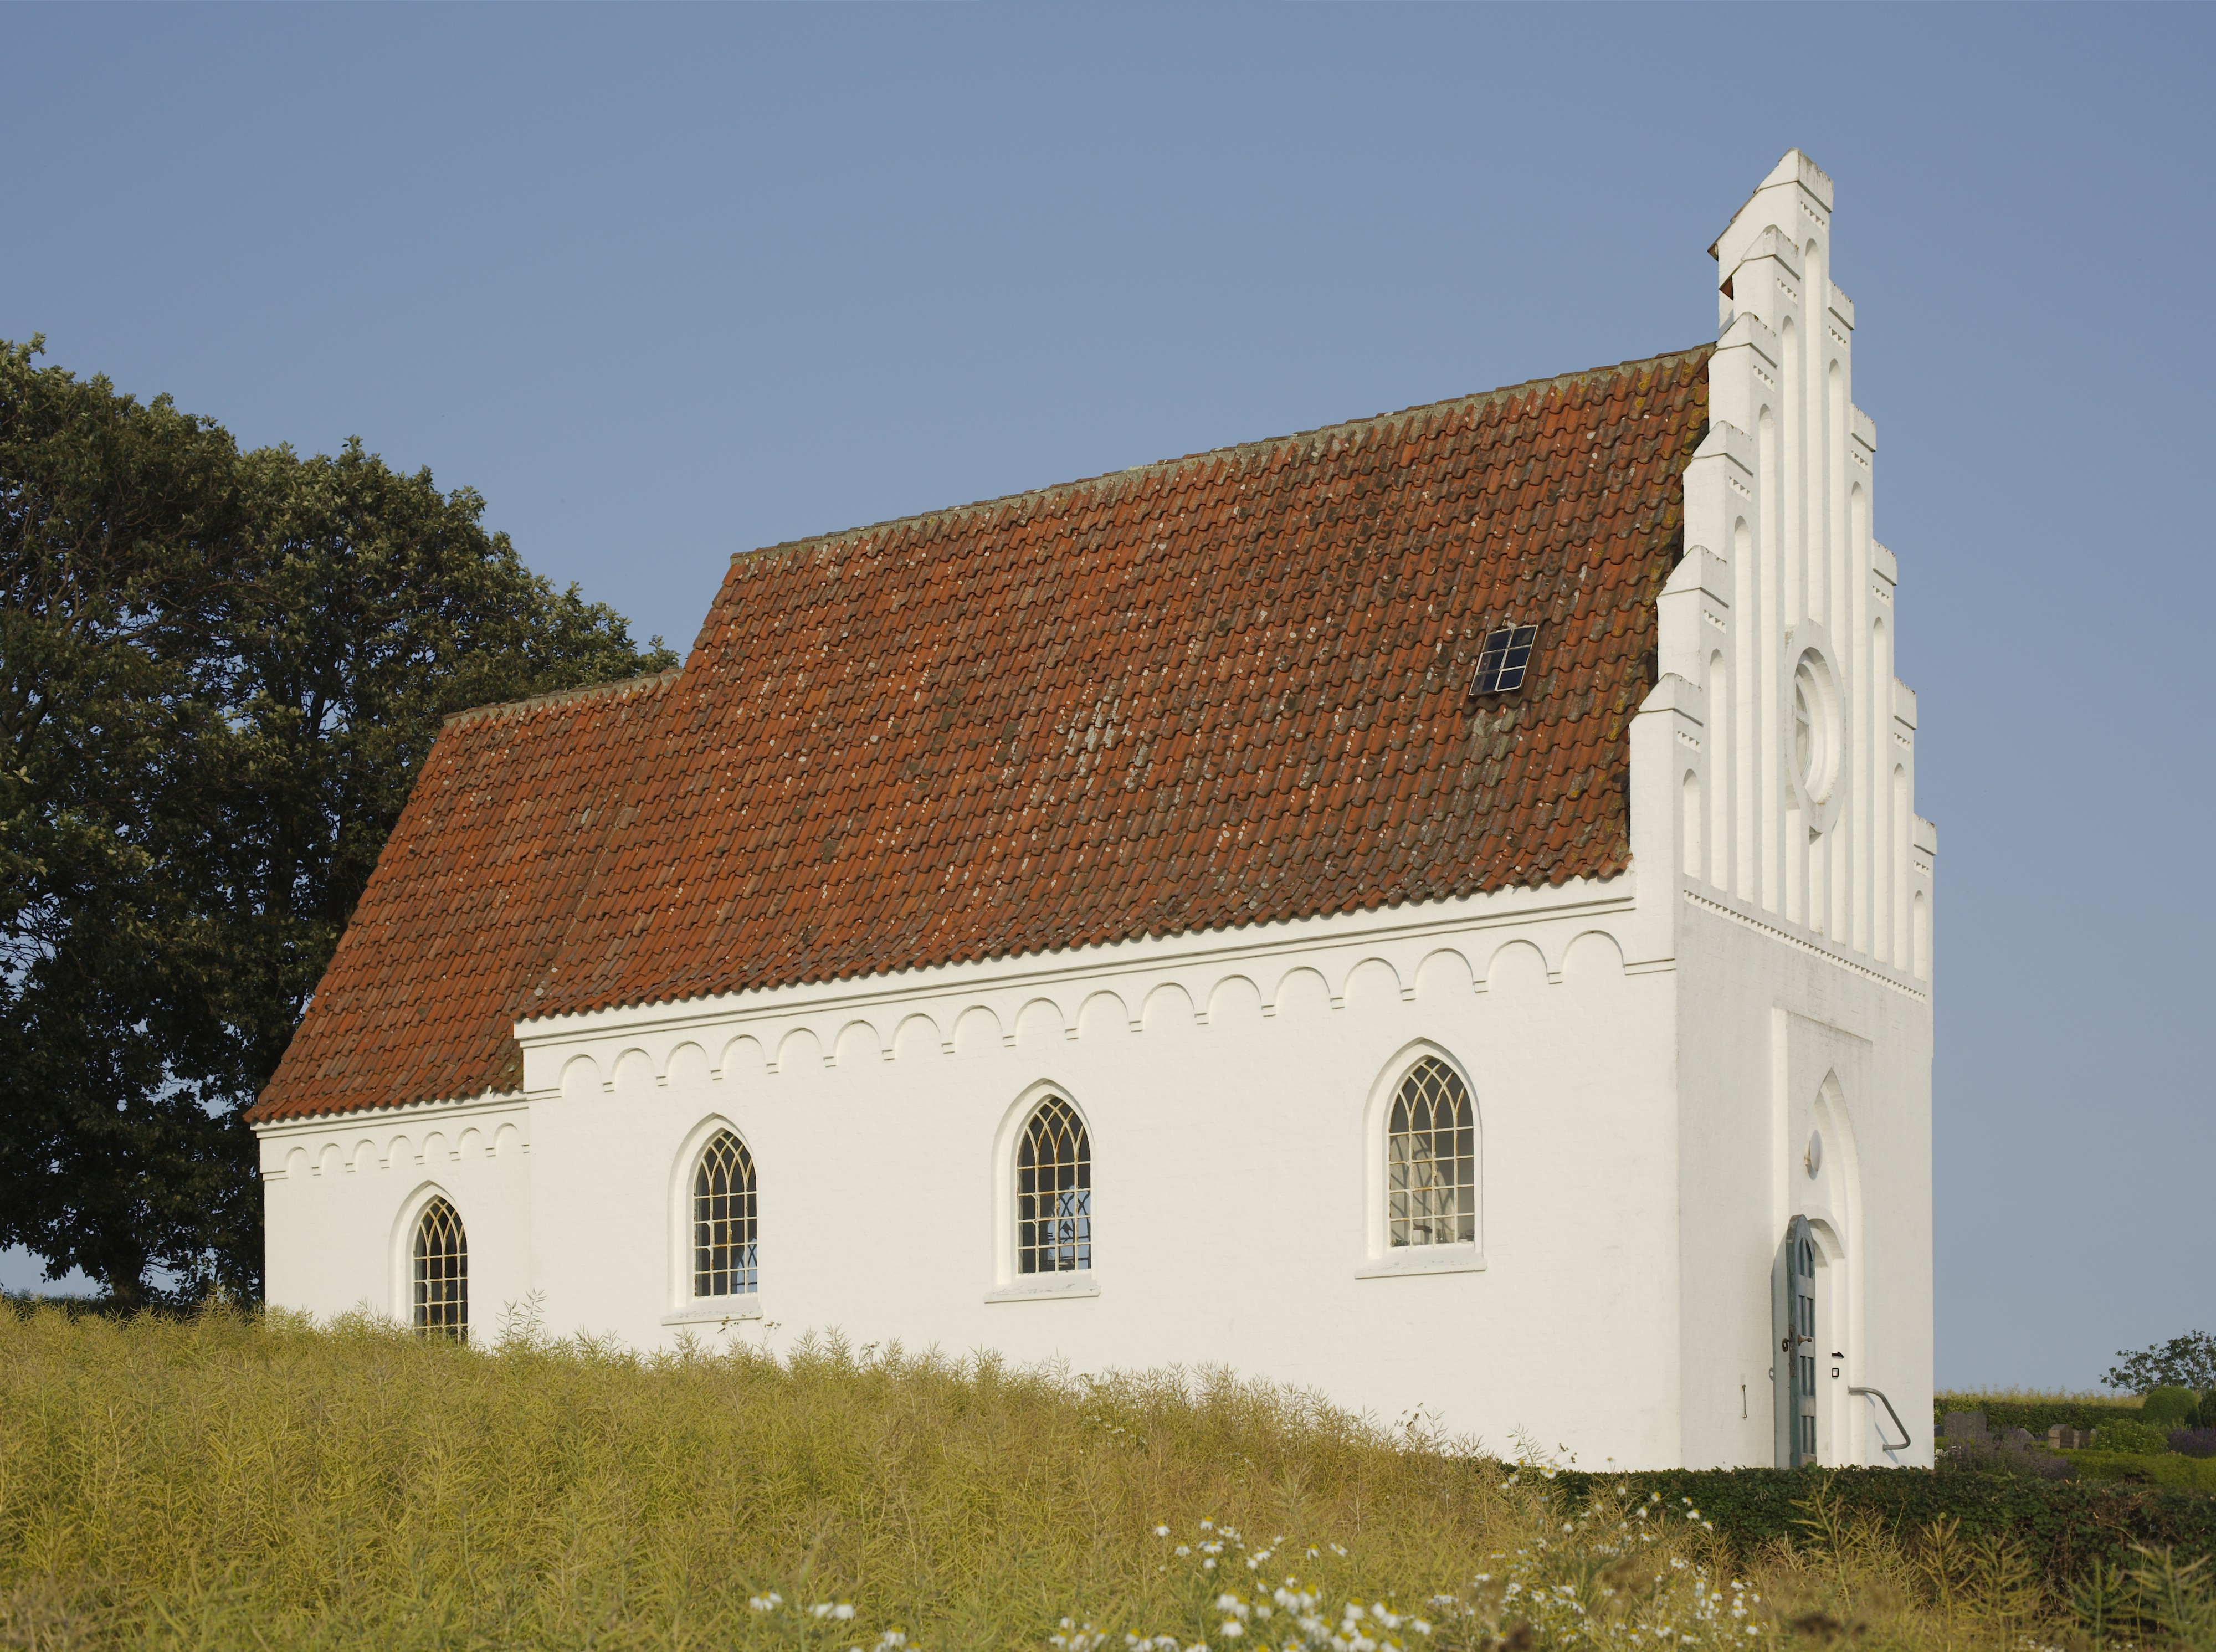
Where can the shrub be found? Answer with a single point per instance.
(1998, 1457)
(2036, 1413)
(2134, 1438)
(2169, 1408)
(2194, 1442)
(2063, 1526)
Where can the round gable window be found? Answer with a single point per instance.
(1815, 726)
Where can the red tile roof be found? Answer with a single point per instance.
(1221, 690)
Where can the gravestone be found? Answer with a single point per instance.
(1965, 1425)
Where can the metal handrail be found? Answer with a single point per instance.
(1889, 1411)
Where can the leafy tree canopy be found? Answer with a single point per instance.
(219, 672)
(2187, 1361)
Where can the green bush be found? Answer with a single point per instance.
(2135, 1438)
(2066, 1525)
(2036, 1412)
(2169, 1468)
(2169, 1408)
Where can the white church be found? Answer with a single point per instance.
(1430, 910)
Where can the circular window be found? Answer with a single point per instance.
(1815, 726)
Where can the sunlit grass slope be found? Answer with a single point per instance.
(228, 1481)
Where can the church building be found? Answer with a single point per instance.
(1430, 910)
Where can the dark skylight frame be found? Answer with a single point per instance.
(1503, 658)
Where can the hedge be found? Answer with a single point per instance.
(2036, 1414)
(2066, 1525)
(2170, 1468)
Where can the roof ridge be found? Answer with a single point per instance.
(560, 696)
(1474, 398)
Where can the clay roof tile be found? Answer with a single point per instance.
(1044, 721)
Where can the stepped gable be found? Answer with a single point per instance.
(479, 878)
(1221, 690)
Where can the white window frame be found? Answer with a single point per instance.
(685, 1308)
(1379, 1259)
(402, 1245)
(1008, 1285)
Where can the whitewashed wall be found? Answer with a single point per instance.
(1648, 1057)
(1804, 911)
(340, 1196)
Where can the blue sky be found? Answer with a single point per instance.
(664, 283)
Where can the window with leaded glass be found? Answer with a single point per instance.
(442, 1272)
(724, 1261)
(1431, 1160)
(1054, 1191)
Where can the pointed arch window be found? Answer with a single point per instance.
(1054, 1191)
(1431, 1160)
(725, 1258)
(442, 1272)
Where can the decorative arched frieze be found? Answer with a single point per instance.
(1301, 990)
(632, 1070)
(1168, 1005)
(1234, 998)
(742, 1058)
(1593, 957)
(1516, 965)
(799, 1051)
(581, 1078)
(687, 1067)
(1041, 1020)
(916, 1036)
(977, 1030)
(1374, 980)
(1103, 1012)
(1444, 975)
(857, 1043)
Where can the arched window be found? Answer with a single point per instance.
(1431, 1160)
(1054, 1191)
(724, 1229)
(442, 1272)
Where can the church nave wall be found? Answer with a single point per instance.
(1232, 1106)
(340, 1193)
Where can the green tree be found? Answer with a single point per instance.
(376, 606)
(119, 527)
(218, 675)
(2187, 1361)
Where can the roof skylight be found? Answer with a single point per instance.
(1502, 660)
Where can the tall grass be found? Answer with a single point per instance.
(228, 1481)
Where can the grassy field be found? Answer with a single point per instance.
(238, 1482)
